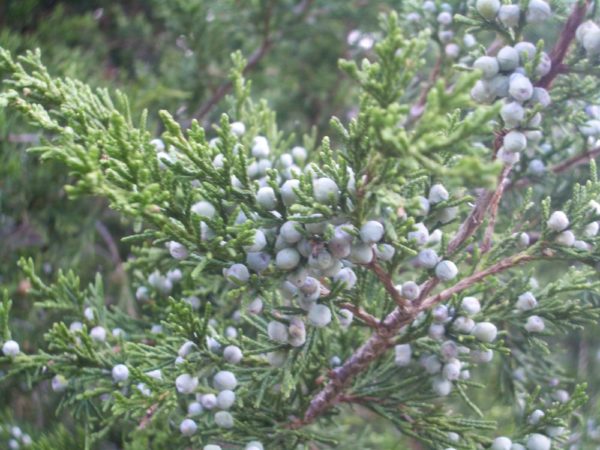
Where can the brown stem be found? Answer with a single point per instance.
(493, 208)
(472, 223)
(363, 315)
(388, 283)
(380, 340)
(558, 53)
(576, 160)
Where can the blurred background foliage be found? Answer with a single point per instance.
(175, 55)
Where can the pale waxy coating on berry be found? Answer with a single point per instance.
(515, 141)
(188, 427)
(371, 232)
(538, 11)
(509, 15)
(186, 383)
(266, 199)
(319, 315)
(277, 331)
(446, 270)
(11, 348)
(488, 65)
(488, 8)
(501, 443)
(535, 324)
(120, 373)
(325, 190)
(508, 58)
(224, 419)
(526, 301)
(403, 355)
(204, 208)
(558, 221)
(470, 305)
(224, 380)
(485, 331)
(538, 442)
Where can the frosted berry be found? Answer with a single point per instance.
(403, 355)
(345, 317)
(451, 370)
(277, 331)
(501, 443)
(232, 354)
(259, 242)
(177, 250)
(120, 373)
(384, 252)
(470, 305)
(438, 193)
(287, 191)
(287, 259)
(508, 58)
(513, 114)
(535, 417)
(509, 15)
(446, 270)
(260, 147)
(237, 273)
(204, 208)
(188, 427)
(482, 356)
(485, 331)
(59, 383)
(254, 445)
(410, 290)
(225, 399)
(186, 384)
(427, 258)
(535, 324)
(371, 232)
(11, 348)
(265, 197)
(98, 334)
(361, 253)
(208, 401)
(463, 324)
(515, 141)
(238, 128)
(290, 232)
(526, 302)
(195, 409)
(538, 442)
(319, 315)
(558, 221)
(224, 419)
(420, 235)
(346, 277)
(566, 238)
(591, 229)
(520, 88)
(538, 11)
(488, 8)
(186, 348)
(526, 51)
(325, 191)
(442, 387)
(258, 261)
(297, 332)
(224, 380)
(488, 65)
